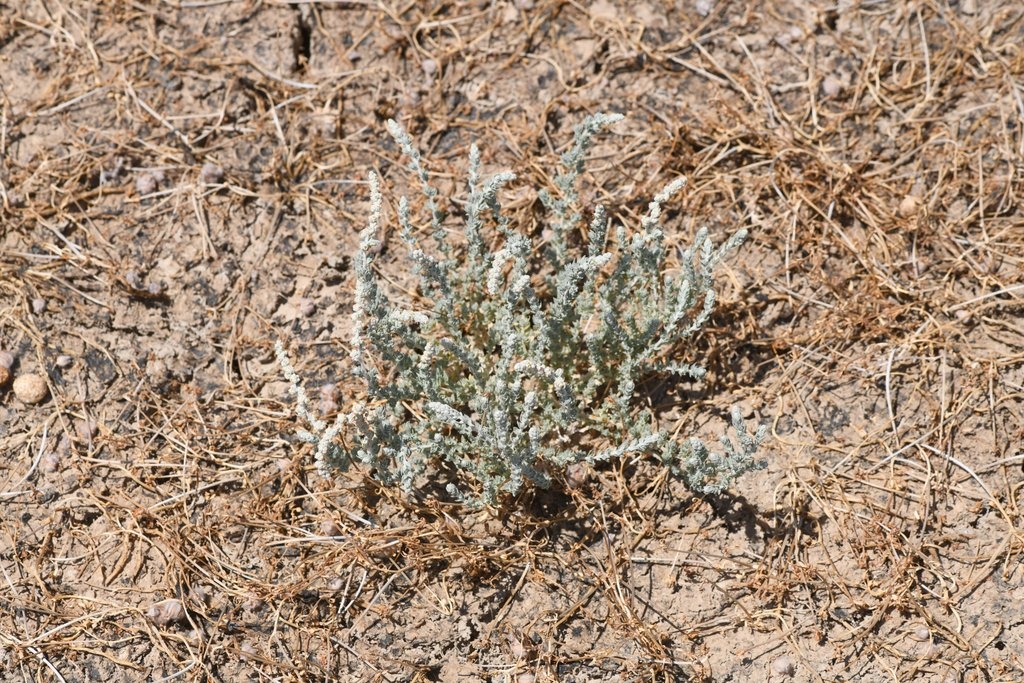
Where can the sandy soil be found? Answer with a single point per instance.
(182, 184)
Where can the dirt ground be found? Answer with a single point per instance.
(182, 184)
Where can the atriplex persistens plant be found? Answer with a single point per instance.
(517, 362)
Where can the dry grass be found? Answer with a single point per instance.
(181, 184)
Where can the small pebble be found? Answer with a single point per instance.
(211, 174)
(577, 475)
(166, 612)
(783, 666)
(793, 35)
(31, 389)
(150, 181)
(39, 305)
(51, 460)
(85, 429)
(328, 399)
(146, 184)
(908, 206)
(6, 361)
(831, 86)
(134, 280)
(329, 527)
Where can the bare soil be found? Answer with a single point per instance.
(182, 184)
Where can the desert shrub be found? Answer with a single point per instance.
(517, 360)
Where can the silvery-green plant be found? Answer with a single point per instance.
(517, 361)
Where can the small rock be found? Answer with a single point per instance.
(6, 362)
(31, 389)
(577, 475)
(134, 280)
(39, 305)
(51, 460)
(908, 206)
(783, 666)
(211, 174)
(147, 183)
(166, 612)
(704, 7)
(831, 86)
(329, 399)
(157, 371)
(787, 38)
(329, 527)
(85, 429)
